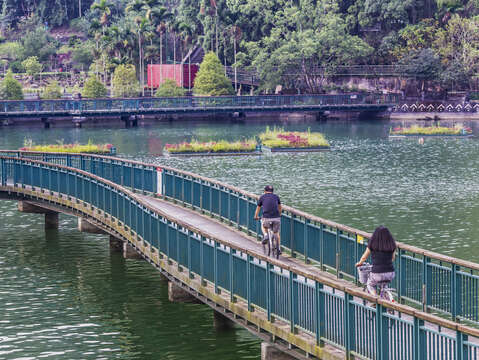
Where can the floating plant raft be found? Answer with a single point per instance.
(278, 140)
(73, 148)
(212, 148)
(438, 131)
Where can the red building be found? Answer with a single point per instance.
(182, 74)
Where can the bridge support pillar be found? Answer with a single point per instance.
(51, 220)
(179, 295)
(116, 245)
(221, 322)
(129, 252)
(88, 227)
(269, 352)
(51, 217)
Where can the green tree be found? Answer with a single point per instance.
(423, 65)
(169, 88)
(210, 79)
(52, 91)
(309, 40)
(32, 66)
(82, 55)
(125, 83)
(94, 88)
(458, 43)
(40, 44)
(11, 89)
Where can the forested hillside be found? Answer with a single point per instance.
(286, 41)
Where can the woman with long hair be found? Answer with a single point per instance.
(382, 248)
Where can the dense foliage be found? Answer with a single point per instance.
(210, 79)
(10, 88)
(295, 43)
(94, 88)
(125, 83)
(169, 88)
(52, 91)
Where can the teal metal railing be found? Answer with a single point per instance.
(209, 102)
(432, 281)
(330, 312)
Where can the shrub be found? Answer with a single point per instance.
(94, 88)
(52, 91)
(210, 79)
(11, 89)
(125, 83)
(32, 66)
(170, 88)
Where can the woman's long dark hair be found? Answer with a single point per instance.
(382, 240)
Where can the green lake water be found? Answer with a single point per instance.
(64, 296)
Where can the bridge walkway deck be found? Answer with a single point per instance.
(240, 239)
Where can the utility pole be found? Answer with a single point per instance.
(79, 8)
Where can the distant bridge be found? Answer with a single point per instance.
(44, 109)
(201, 235)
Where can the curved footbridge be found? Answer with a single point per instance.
(201, 235)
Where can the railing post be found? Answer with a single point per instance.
(320, 314)
(293, 301)
(382, 342)
(349, 325)
(231, 270)
(426, 283)
(338, 253)
(456, 292)
(291, 237)
(269, 296)
(4, 175)
(305, 237)
(461, 351)
(188, 232)
(202, 261)
(248, 281)
(167, 241)
(321, 246)
(215, 266)
(419, 340)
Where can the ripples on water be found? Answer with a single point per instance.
(62, 295)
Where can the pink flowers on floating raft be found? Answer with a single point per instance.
(221, 146)
(279, 138)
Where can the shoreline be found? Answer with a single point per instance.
(432, 116)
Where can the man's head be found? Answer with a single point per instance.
(268, 188)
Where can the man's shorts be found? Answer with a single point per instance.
(273, 223)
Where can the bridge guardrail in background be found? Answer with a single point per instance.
(313, 304)
(195, 102)
(433, 281)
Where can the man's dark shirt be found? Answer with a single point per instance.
(269, 202)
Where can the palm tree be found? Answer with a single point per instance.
(105, 10)
(186, 32)
(236, 34)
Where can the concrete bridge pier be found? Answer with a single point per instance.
(88, 227)
(129, 251)
(51, 217)
(269, 352)
(221, 322)
(179, 295)
(116, 245)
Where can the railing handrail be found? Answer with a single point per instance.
(333, 283)
(210, 98)
(348, 229)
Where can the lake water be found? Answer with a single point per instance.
(64, 296)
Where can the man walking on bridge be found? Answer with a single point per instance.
(271, 205)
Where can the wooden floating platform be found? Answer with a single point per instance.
(298, 149)
(239, 153)
(415, 136)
